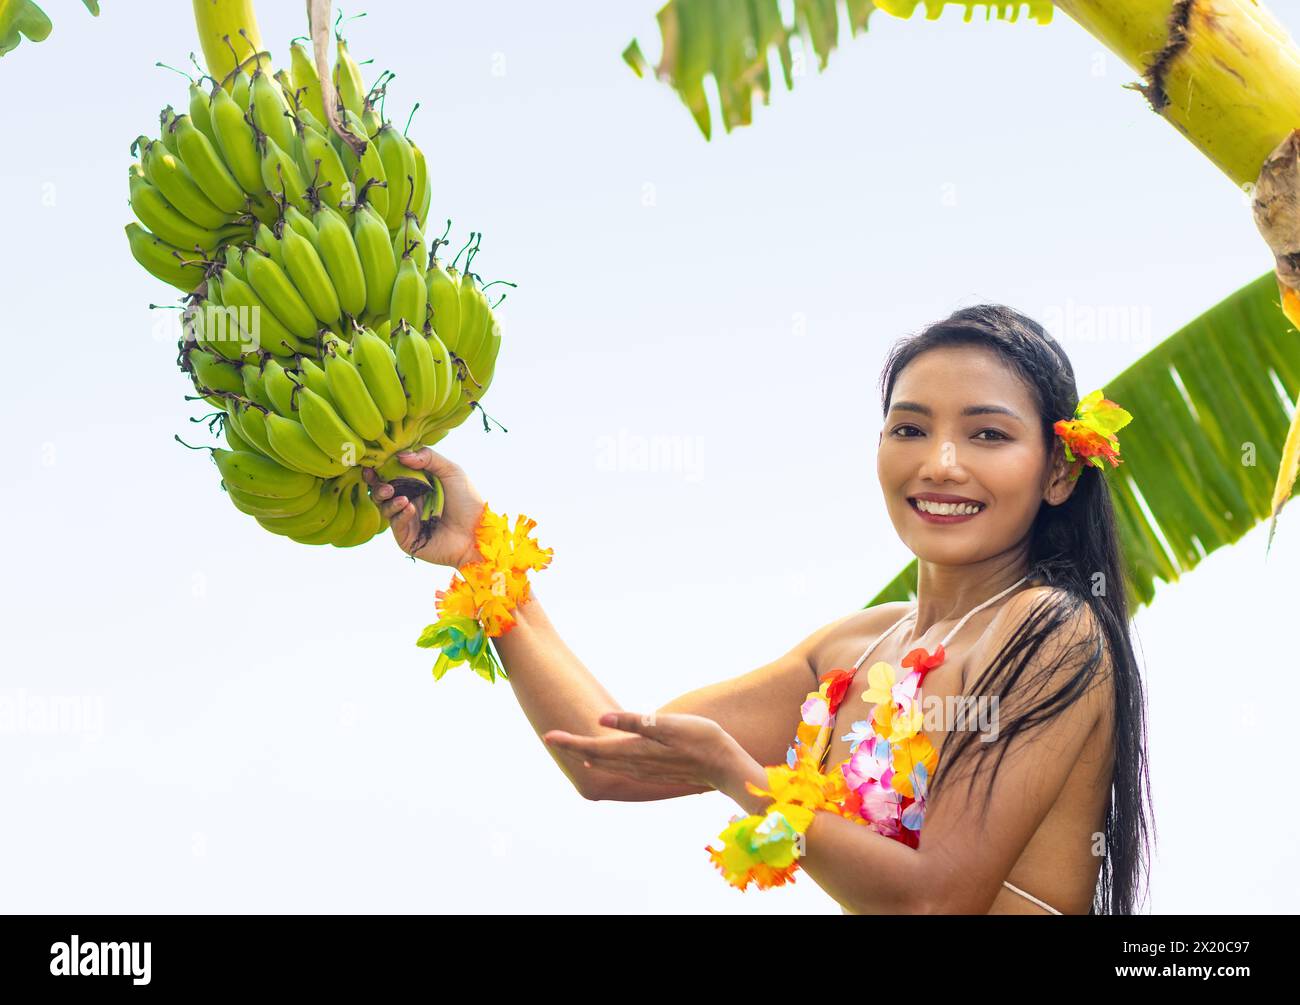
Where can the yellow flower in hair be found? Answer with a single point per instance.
(1090, 435)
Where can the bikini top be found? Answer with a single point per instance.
(890, 759)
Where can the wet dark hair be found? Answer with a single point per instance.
(1069, 546)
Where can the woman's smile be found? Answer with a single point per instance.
(940, 512)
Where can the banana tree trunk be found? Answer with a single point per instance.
(228, 32)
(1225, 73)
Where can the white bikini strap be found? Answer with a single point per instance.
(871, 648)
(955, 628)
(1029, 896)
(997, 596)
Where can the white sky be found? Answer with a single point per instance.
(264, 735)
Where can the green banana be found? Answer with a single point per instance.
(322, 165)
(349, 394)
(484, 362)
(306, 84)
(206, 167)
(309, 276)
(409, 242)
(378, 368)
(281, 175)
(423, 196)
(260, 476)
(399, 170)
(410, 296)
(375, 249)
(261, 506)
(214, 373)
(347, 80)
(417, 369)
(335, 438)
(338, 252)
(264, 238)
(216, 328)
(235, 441)
(160, 261)
(240, 87)
(199, 112)
(165, 120)
(341, 524)
(313, 519)
(448, 375)
(269, 111)
(276, 290)
(165, 170)
(255, 385)
(444, 297)
(250, 423)
(233, 257)
(474, 316)
(366, 171)
(235, 140)
(156, 213)
(300, 222)
(280, 388)
(315, 378)
(258, 322)
(369, 521)
(288, 439)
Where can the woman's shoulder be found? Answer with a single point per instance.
(1070, 630)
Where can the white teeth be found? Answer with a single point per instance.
(948, 509)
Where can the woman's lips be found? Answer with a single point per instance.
(939, 518)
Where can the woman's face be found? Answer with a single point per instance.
(996, 458)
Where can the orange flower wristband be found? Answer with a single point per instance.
(479, 603)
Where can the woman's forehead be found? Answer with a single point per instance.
(954, 377)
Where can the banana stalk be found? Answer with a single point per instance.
(1225, 74)
(218, 20)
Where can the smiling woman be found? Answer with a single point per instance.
(1017, 559)
(979, 486)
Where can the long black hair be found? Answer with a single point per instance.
(1073, 547)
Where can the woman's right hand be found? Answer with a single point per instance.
(452, 543)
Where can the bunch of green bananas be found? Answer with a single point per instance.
(318, 318)
(256, 146)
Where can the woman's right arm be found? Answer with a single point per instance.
(760, 709)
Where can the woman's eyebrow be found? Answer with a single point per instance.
(914, 406)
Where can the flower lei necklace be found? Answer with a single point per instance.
(479, 606)
(884, 782)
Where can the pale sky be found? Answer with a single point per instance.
(261, 734)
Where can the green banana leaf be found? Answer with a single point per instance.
(21, 19)
(731, 40)
(1188, 483)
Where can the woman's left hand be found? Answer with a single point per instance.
(669, 747)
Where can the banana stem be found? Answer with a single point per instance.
(217, 20)
(1224, 73)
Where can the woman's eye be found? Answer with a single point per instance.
(899, 429)
(996, 432)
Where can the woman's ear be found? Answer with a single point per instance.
(1064, 476)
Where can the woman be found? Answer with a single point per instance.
(1040, 810)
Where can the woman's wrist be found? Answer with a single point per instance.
(742, 768)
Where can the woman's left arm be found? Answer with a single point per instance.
(962, 859)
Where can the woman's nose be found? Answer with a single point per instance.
(941, 458)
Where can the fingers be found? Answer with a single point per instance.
(426, 459)
(394, 507)
(632, 722)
